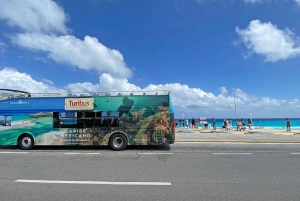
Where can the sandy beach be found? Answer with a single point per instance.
(18, 124)
(50, 138)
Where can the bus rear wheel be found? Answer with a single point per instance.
(117, 142)
(26, 142)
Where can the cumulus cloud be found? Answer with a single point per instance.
(34, 16)
(10, 78)
(41, 21)
(223, 90)
(267, 40)
(106, 83)
(193, 102)
(87, 54)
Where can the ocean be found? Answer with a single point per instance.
(266, 123)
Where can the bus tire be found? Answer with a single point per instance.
(117, 142)
(26, 142)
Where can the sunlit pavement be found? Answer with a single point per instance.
(247, 136)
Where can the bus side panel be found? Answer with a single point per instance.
(8, 135)
(39, 125)
(144, 120)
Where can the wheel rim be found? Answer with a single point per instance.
(118, 142)
(26, 142)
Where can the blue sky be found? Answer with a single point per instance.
(199, 49)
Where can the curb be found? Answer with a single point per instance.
(239, 141)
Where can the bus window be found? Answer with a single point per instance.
(55, 121)
(65, 120)
(5, 120)
(165, 104)
(110, 119)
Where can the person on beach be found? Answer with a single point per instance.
(230, 124)
(288, 125)
(214, 123)
(176, 124)
(237, 125)
(249, 124)
(193, 123)
(205, 125)
(243, 125)
(187, 123)
(227, 123)
(196, 123)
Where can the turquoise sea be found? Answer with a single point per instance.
(266, 123)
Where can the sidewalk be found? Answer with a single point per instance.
(252, 136)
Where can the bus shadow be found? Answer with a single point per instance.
(54, 148)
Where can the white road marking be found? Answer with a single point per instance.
(95, 182)
(294, 153)
(13, 152)
(153, 153)
(229, 153)
(81, 153)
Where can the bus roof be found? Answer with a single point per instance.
(12, 93)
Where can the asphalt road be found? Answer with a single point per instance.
(183, 171)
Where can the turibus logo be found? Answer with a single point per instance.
(79, 104)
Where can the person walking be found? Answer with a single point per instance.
(249, 124)
(214, 123)
(196, 123)
(288, 125)
(238, 123)
(243, 125)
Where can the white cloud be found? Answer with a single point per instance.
(267, 40)
(34, 16)
(42, 59)
(193, 102)
(41, 20)
(10, 78)
(106, 83)
(48, 81)
(87, 54)
(297, 2)
(2, 47)
(253, 1)
(223, 90)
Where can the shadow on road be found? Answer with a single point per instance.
(53, 148)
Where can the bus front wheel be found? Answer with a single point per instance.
(117, 142)
(26, 142)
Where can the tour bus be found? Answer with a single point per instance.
(114, 119)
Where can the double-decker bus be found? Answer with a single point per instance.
(114, 119)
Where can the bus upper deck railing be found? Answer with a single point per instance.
(9, 93)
